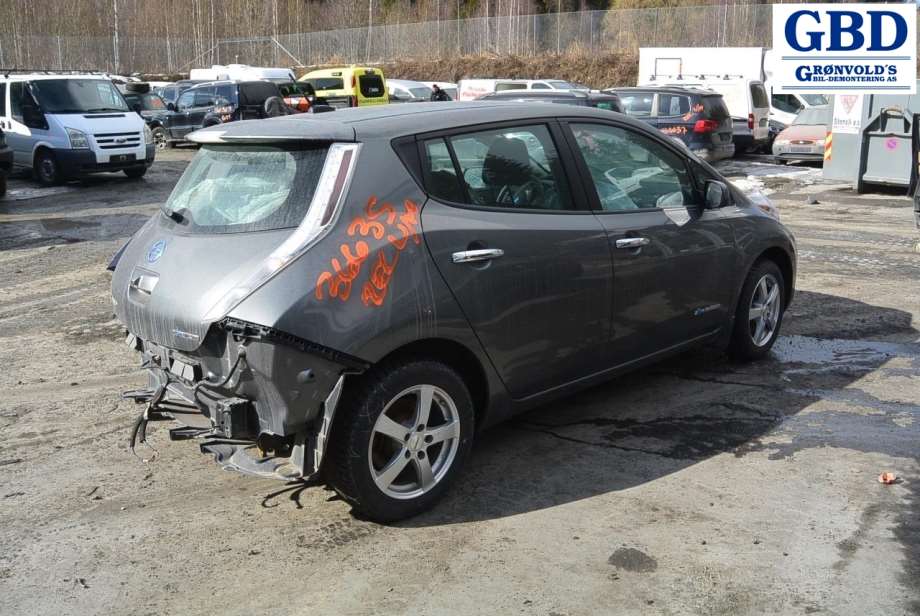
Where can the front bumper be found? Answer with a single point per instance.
(76, 163)
(788, 151)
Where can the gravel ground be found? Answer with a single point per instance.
(697, 486)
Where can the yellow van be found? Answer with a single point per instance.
(349, 86)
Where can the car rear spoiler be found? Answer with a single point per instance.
(284, 129)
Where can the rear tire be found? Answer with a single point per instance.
(47, 170)
(159, 138)
(759, 314)
(136, 173)
(2, 184)
(389, 459)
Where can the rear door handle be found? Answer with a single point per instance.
(632, 242)
(471, 256)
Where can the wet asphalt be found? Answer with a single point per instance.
(696, 486)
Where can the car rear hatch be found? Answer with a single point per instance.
(718, 120)
(239, 213)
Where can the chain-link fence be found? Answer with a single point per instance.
(709, 26)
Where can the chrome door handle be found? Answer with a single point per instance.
(632, 242)
(471, 256)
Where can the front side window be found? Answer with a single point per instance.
(232, 189)
(186, 100)
(639, 104)
(787, 103)
(204, 97)
(78, 95)
(514, 168)
(632, 172)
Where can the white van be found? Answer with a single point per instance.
(471, 89)
(242, 72)
(63, 126)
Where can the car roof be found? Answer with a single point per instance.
(43, 76)
(408, 83)
(689, 90)
(392, 121)
(538, 94)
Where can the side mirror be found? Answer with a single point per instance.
(33, 117)
(717, 194)
(170, 107)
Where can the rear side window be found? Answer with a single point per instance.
(673, 104)
(715, 109)
(759, 96)
(514, 168)
(226, 93)
(234, 189)
(371, 85)
(639, 104)
(204, 97)
(502, 87)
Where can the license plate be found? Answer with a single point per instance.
(800, 149)
(121, 158)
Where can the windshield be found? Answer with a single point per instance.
(424, 92)
(148, 102)
(814, 116)
(814, 99)
(234, 189)
(78, 95)
(565, 85)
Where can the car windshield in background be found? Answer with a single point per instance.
(148, 102)
(565, 85)
(814, 116)
(78, 95)
(326, 83)
(814, 99)
(232, 189)
(420, 92)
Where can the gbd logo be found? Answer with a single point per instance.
(833, 48)
(845, 30)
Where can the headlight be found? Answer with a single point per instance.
(781, 141)
(78, 139)
(321, 216)
(148, 135)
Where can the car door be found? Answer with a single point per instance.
(26, 124)
(672, 259)
(178, 121)
(529, 268)
(202, 105)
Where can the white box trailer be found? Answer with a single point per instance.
(242, 72)
(750, 63)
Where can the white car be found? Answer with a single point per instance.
(471, 89)
(64, 126)
(405, 91)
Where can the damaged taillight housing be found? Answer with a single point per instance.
(321, 216)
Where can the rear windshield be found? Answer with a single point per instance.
(814, 116)
(371, 85)
(78, 95)
(236, 189)
(715, 108)
(326, 83)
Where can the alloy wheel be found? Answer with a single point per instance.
(763, 313)
(414, 442)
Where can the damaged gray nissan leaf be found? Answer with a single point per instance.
(352, 298)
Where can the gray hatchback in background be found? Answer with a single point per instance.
(354, 298)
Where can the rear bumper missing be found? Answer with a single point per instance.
(260, 401)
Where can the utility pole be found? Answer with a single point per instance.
(370, 21)
(115, 37)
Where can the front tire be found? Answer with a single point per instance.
(2, 184)
(160, 137)
(136, 172)
(47, 170)
(402, 436)
(759, 314)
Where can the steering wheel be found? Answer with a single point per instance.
(528, 193)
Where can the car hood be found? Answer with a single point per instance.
(114, 122)
(166, 281)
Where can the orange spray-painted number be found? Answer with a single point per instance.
(379, 221)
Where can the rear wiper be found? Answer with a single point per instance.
(175, 215)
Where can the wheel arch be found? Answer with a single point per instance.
(783, 261)
(458, 357)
